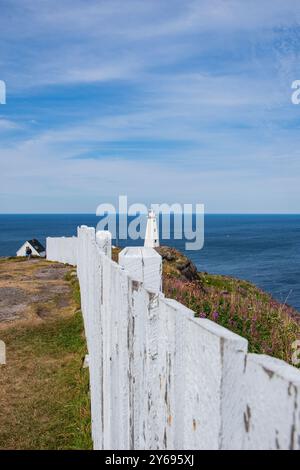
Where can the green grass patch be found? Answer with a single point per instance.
(45, 398)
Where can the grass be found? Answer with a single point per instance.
(269, 326)
(44, 397)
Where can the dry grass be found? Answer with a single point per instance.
(44, 398)
(32, 290)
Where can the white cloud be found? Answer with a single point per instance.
(7, 125)
(80, 42)
(212, 73)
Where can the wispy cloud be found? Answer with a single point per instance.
(103, 94)
(8, 125)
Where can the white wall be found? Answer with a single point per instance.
(162, 379)
(22, 251)
(62, 249)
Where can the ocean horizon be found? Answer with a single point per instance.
(261, 248)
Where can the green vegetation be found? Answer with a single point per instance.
(269, 326)
(44, 389)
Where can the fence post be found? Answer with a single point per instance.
(144, 265)
(2, 352)
(103, 239)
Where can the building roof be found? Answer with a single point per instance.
(36, 245)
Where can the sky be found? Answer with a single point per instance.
(164, 101)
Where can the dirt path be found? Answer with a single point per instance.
(31, 289)
(44, 392)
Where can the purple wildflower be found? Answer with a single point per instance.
(215, 316)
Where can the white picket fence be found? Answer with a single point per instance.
(162, 379)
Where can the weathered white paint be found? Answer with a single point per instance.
(272, 392)
(2, 352)
(143, 265)
(103, 239)
(161, 378)
(212, 386)
(152, 234)
(62, 249)
(22, 250)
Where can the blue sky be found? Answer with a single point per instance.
(161, 100)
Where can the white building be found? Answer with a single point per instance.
(152, 235)
(35, 246)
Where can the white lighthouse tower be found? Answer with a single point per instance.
(152, 235)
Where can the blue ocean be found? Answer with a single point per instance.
(264, 249)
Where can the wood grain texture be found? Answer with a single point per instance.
(161, 378)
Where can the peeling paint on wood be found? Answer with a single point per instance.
(161, 378)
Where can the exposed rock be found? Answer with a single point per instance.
(178, 262)
(33, 289)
